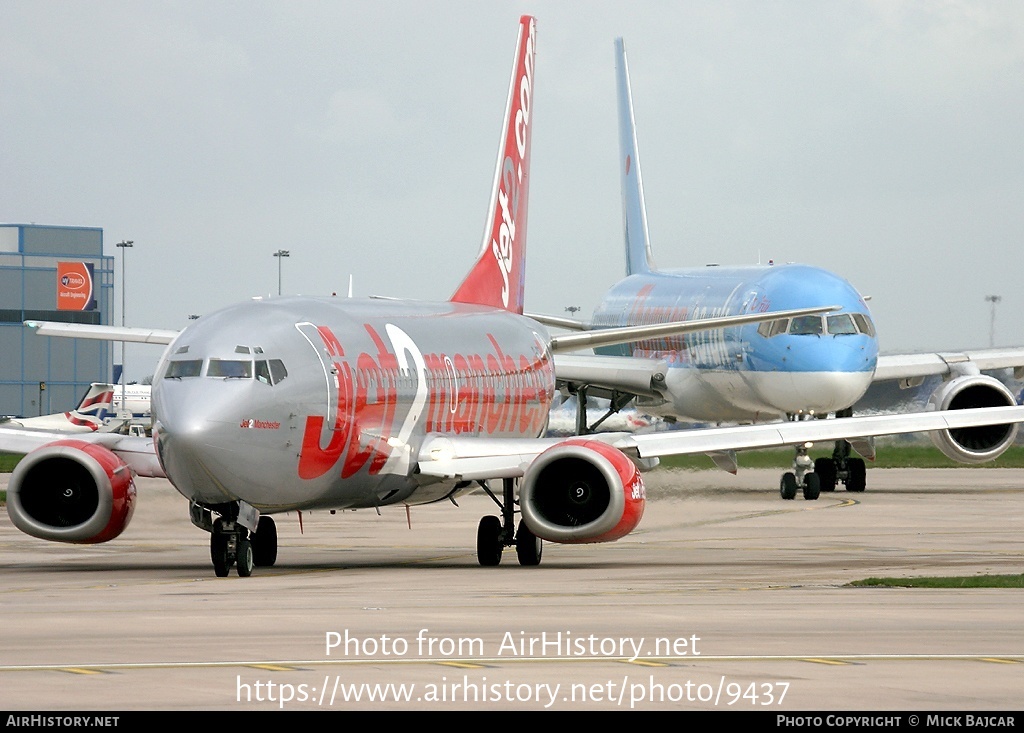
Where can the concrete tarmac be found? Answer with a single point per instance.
(725, 597)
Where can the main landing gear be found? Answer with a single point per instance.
(841, 467)
(233, 545)
(824, 473)
(494, 534)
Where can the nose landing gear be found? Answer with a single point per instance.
(234, 545)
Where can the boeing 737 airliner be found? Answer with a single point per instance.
(788, 368)
(303, 403)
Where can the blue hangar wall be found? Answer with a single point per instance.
(29, 257)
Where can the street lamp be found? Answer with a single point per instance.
(993, 299)
(280, 255)
(123, 245)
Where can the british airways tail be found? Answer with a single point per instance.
(91, 414)
(638, 242)
(497, 279)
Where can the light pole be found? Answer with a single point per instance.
(993, 299)
(280, 255)
(123, 245)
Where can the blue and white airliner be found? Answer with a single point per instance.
(787, 369)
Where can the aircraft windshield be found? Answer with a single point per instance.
(186, 368)
(229, 368)
(841, 324)
(806, 326)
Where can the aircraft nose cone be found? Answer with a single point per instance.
(188, 433)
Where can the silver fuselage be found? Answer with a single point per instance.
(293, 403)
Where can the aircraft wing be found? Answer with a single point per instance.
(570, 324)
(138, 453)
(470, 458)
(627, 334)
(914, 366)
(103, 333)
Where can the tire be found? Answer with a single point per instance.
(529, 547)
(219, 550)
(826, 470)
(857, 480)
(812, 486)
(264, 543)
(787, 486)
(488, 542)
(244, 558)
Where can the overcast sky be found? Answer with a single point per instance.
(881, 140)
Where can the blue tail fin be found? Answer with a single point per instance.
(634, 213)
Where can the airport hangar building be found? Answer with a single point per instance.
(51, 273)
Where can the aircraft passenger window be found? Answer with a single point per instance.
(277, 370)
(864, 324)
(806, 326)
(263, 372)
(841, 324)
(179, 369)
(229, 368)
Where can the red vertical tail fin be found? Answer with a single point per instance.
(497, 279)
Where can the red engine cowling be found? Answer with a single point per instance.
(582, 491)
(978, 444)
(71, 491)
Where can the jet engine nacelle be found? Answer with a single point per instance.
(978, 444)
(582, 491)
(71, 491)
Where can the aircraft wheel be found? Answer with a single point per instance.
(264, 543)
(857, 480)
(488, 541)
(244, 558)
(787, 487)
(812, 486)
(219, 551)
(826, 470)
(529, 547)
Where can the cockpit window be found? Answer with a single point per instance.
(270, 372)
(185, 368)
(806, 326)
(864, 324)
(841, 324)
(229, 368)
(773, 328)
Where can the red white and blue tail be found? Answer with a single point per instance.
(497, 279)
(90, 415)
(94, 409)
